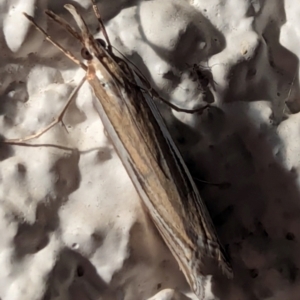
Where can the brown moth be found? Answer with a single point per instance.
(146, 149)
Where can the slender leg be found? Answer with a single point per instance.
(58, 119)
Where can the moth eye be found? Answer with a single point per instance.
(86, 54)
(101, 42)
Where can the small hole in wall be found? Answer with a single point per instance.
(253, 273)
(278, 94)
(251, 73)
(181, 140)
(290, 236)
(75, 246)
(205, 10)
(21, 168)
(80, 271)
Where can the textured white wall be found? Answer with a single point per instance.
(71, 223)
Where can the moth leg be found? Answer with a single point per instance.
(58, 119)
(64, 24)
(154, 94)
(220, 185)
(199, 110)
(57, 45)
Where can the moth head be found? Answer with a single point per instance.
(91, 47)
(95, 50)
(86, 54)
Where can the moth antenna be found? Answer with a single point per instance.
(286, 99)
(290, 90)
(58, 119)
(137, 70)
(85, 33)
(216, 64)
(98, 16)
(57, 45)
(64, 24)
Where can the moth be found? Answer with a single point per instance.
(146, 149)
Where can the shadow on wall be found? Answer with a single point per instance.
(258, 214)
(271, 72)
(75, 275)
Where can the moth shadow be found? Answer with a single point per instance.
(257, 215)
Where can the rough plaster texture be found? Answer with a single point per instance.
(71, 223)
